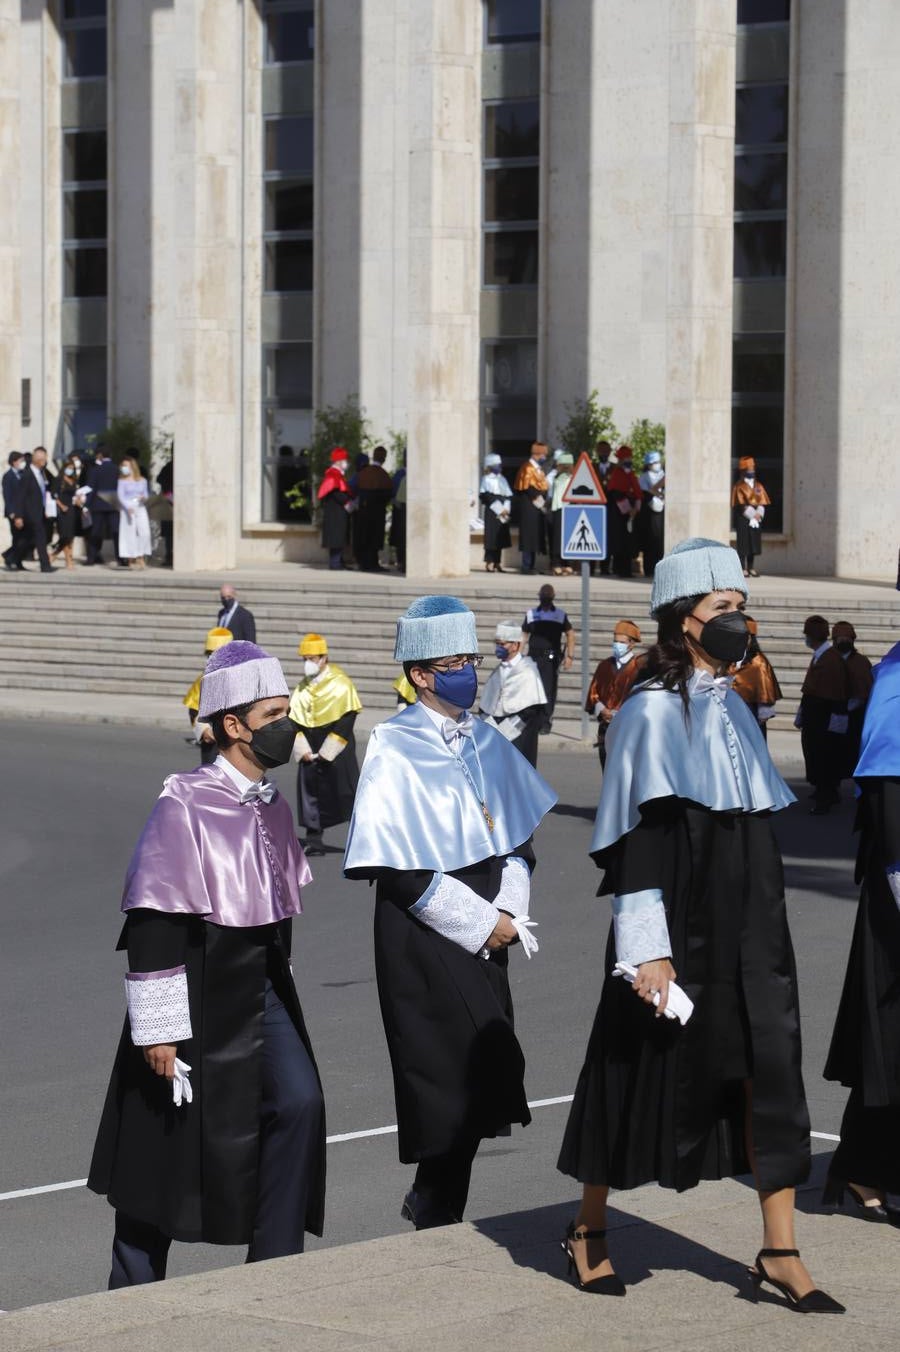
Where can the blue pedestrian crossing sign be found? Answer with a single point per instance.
(583, 532)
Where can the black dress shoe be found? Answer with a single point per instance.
(610, 1285)
(877, 1213)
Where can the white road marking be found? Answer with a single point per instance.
(329, 1140)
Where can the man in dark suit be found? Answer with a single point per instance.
(29, 510)
(17, 465)
(234, 617)
(103, 481)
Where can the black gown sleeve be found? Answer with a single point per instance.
(155, 941)
(636, 862)
(887, 822)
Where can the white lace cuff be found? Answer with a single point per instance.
(515, 888)
(158, 1008)
(453, 910)
(640, 928)
(893, 881)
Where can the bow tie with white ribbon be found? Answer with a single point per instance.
(263, 790)
(451, 728)
(704, 680)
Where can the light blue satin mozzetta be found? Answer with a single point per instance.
(416, 808)
(204, 852)
(880, 747)
(716, 757)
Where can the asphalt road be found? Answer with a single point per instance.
(76, 798)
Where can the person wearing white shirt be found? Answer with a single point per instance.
(514, 697)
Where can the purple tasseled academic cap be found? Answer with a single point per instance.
(239, 673)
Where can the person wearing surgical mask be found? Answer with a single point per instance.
(337, 501)
(514, 697)
(213, 1127)
(443, 825)
(613, 679)
(749, 501)
(684, 837)
(324, 706)
(234, 617)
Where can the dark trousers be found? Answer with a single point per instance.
(104, 526)
(824, 752)
(290, 1124)
(528, 557)
(441, 1188)
(336, 557)
(19, 547)
(34, 536)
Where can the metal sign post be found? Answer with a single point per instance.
(584, 538)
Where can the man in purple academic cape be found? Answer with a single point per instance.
(214, 1124)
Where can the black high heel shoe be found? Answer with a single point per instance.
(881, 1214)
(610, 1285)
(814, 1302)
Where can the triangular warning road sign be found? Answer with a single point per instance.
(582, 539)
(584, 487)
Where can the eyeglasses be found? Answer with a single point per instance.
(457, 663)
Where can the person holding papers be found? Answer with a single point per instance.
(514, 697)
(324, 706)
(683, 833)
(495, 495)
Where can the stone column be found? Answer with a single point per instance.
(10, 257)
(700, 235)
(206, 225)
(444, 159)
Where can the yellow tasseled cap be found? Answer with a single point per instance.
(217, 638)
(312, 645)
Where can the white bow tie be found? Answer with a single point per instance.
(463, 728)
(704, 680)
(263, 790)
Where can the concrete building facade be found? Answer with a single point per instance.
(227, 214)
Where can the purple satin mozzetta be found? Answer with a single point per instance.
(204, 852)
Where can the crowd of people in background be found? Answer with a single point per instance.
(50, 505)
(635, 493)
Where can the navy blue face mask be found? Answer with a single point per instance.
(457, 687)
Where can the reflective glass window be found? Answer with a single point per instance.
(85, 214)
(513, 21)
(85, 272)
(760, 248)
(760, 182)
(758, 364)
(512, 130)
(512, 194)
(763, 11)
(510, 370)
(290, 33)
(83, 9)
(761, 114)
(288, 373)
(289, 265)
(85, 53)
(289, 145)
(84, 156)
(511, 258)
(84, 373)
(289, 206)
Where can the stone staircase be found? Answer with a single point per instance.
(117, 633)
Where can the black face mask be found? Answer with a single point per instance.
(272, 744)
(844, 646)
(725, 637)
(226, 602)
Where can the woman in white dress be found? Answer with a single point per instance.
(134, 523)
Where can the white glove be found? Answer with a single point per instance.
(750, 514)
(181, 1085)
(678, 1006)
(754, 524)
(838, 723)
(523, 927)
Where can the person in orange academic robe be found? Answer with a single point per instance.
(531, 488)
(613, 679)
(755, 681)
(749, 501)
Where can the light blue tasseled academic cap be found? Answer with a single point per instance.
(435, 626)
(694, 568)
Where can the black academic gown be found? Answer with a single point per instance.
(191, 1172)
(326, 789)
(865, 1046)
(656, 1101)
(448, 1018)
(496, 532)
